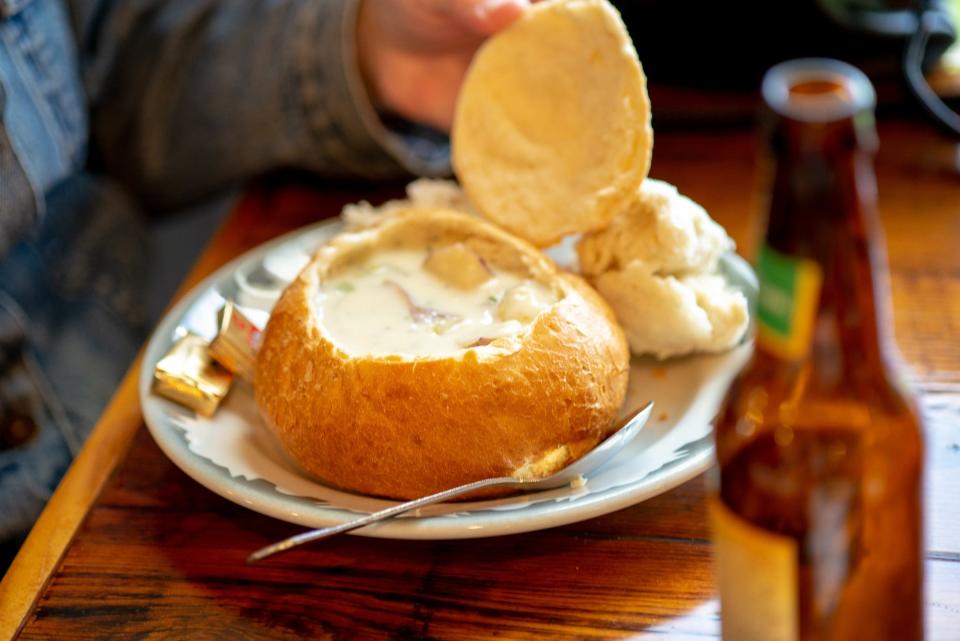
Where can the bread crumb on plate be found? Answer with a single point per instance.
(423, 192)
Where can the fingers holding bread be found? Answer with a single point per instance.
(552, 137)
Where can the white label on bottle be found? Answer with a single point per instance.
(757, 577)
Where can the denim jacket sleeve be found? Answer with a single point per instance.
(190, 95)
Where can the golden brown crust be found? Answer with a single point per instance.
(404, 428)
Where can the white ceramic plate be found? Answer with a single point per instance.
(234, 455)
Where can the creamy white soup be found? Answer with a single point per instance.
(400, 302)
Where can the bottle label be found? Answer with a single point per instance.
(787, 306)
(757, 577)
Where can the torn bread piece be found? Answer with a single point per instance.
(662, 228)
(656, 264)
(673, 315)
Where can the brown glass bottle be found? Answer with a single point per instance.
(817, 517)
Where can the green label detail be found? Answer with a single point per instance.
(778, 278)
(786, 309)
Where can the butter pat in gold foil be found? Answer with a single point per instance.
(188, 376)
(237, 342)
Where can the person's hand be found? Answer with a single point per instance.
(414, 53)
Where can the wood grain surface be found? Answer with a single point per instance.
(160, 557)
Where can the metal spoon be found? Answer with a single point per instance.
(627, 429)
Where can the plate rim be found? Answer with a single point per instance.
(310, 513)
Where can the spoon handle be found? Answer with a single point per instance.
(386, 513)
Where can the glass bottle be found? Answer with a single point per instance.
(817, 513)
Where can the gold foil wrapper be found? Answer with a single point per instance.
(237, 342)
(188, 376)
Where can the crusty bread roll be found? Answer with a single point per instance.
(401, 427)
(552, 132)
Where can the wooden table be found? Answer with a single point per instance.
(132, 548)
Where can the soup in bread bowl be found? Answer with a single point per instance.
(435, 349)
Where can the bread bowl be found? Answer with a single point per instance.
(400, 417)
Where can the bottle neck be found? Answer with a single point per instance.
(823, 213)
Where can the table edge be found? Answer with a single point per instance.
(40, 554)
(105, 449)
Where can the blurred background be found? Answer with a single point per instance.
(723, 48)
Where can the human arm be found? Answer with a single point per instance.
(190, 95)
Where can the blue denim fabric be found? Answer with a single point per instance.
(45, 109)
(184, 97)
(78, 280)
(10, 7)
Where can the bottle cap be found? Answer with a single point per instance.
(817, 90)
